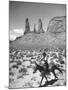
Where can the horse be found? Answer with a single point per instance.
(45, 70)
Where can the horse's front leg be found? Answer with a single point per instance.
(46, 78)
(41, 80)
(59, 69)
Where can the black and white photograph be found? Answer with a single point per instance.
(37, 45)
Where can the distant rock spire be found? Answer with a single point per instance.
(40, 26)
(27, 26)
(34, 28)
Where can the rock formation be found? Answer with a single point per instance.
(40, 26)
(44, 40)
(57, 25)
(34, 28)
(27, 26)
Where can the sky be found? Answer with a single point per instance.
(19, 11)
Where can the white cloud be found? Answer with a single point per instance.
(19, 31)
(12, 37)
(16, 33)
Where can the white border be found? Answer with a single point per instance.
(4, 46)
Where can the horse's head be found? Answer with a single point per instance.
(36, 67)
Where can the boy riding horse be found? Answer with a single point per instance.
(45, 70)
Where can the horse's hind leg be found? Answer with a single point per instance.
(54, 74)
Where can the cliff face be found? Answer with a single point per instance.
(57, 25)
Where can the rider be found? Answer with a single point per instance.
(44, 54)
(45, 60)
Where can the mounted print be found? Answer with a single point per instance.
(37, 44)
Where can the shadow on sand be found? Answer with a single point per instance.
(49, 83)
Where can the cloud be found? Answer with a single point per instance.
(19, 31)
(12, 37)
(16, 33)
